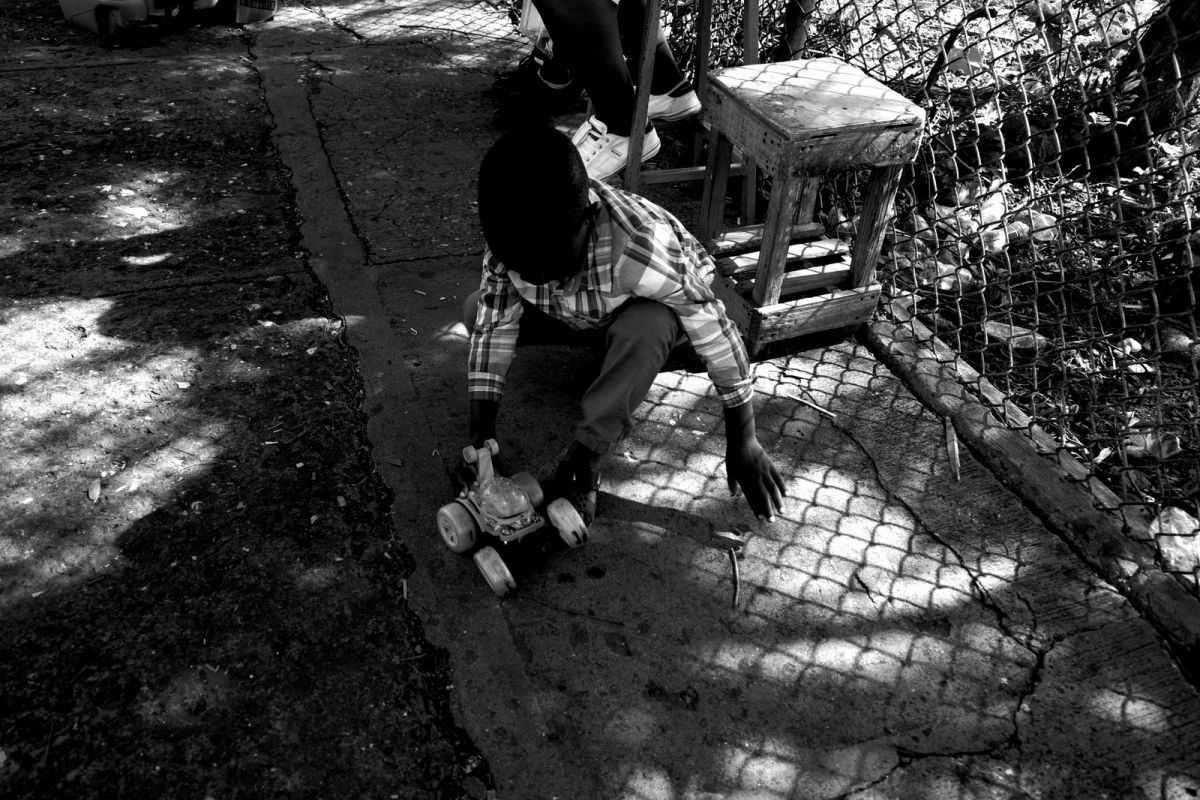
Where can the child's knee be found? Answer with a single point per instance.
(470, 308)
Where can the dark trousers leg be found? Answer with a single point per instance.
(587, 30)
(637, 343)
(631, 19)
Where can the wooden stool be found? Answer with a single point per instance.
(800, 119)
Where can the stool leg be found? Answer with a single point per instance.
(786, 187)
(716, 181)
(637, 133)
(876, 211)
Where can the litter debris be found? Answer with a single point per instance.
(732, 544)
(952, 449)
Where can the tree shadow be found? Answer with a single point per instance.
(201, 587)
(897, 634)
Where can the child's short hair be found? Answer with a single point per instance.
(530, 173)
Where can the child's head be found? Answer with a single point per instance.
(533, 204)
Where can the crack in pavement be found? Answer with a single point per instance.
(1037, 646)
(473, 253)
(984, 596)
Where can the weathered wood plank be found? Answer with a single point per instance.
(745, 264)
(838, 309)
(744, 240)
(835, 274)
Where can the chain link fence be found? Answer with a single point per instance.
(1047, 232)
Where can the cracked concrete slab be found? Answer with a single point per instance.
(897, 633)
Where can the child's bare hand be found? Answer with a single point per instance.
(751, 472)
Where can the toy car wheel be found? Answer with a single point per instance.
(495, 571)
(566, 520)
(492, 445)
(531, 487)
(108, 23)
(457, 527)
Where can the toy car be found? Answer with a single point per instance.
(503, 508)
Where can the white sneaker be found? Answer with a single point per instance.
(605, 154)
(665, 108)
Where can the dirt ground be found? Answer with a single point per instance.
(201, 594)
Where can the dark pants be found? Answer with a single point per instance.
(595, 37)
(636, 343)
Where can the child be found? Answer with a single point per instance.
(571, 253)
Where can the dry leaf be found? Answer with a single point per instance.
(952, 449)
(93, 491)
(1152, 444)
(1174, 522)
(1130, 346)
(993, 238)
(921, 229)
(936, 271)
(966, 62)
(1136, 480)
(1015, 336)
(992, 208)
(1018, 231)
(951, 254)
(961, 279)
(1042, 227)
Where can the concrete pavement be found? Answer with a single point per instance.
(898, 634)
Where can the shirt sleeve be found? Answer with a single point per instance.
(494, 340)
(659, 264)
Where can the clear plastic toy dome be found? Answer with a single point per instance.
(503, 497)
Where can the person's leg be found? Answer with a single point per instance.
(671, 94)
(637, 343)
(631, 16)
(587, 30)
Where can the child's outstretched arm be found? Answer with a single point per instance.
(747, 465)
(492, 345)
(667, 265)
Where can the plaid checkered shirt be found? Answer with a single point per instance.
(637, 250)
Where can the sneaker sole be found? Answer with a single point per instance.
(646, 156)
(678, 115)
